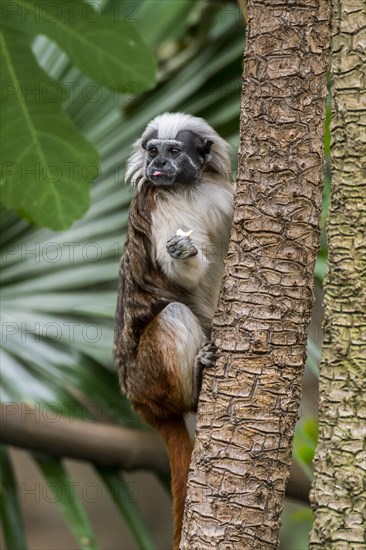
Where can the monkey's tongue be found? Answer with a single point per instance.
(157, 173)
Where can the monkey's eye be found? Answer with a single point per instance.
(153, 152)
(174, 151)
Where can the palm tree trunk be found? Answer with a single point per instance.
(249, 403)
(339, 488)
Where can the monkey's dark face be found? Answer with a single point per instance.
(175, 161)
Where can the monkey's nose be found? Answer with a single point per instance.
(160, 163)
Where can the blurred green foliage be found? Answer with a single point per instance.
(306, 436)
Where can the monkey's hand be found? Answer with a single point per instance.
(181, 247)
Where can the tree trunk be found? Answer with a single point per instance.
(249, 402)
(339, 488)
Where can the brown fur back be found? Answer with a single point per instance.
(142, 361)
(144, 290)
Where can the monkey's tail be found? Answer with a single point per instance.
(179, 446)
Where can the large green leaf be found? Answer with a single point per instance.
(107, 49)
(47, 165)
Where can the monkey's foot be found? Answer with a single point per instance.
(181, 247)
(205, 358)
(207, 355)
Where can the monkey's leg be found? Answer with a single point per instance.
(167, 357)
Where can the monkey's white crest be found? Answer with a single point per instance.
(167, 126)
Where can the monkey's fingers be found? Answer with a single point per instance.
(181, 248)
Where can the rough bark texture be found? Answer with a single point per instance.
(249, 403)
(339, 489)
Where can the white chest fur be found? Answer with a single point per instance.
(207, 210)
(204, 210)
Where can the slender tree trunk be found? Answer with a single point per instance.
(249, 403)
(339, 487)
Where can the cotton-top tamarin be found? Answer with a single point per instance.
(170, 275)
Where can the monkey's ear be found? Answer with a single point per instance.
(144, 143)
(206, 147)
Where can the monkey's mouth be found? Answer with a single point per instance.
(160, 177)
